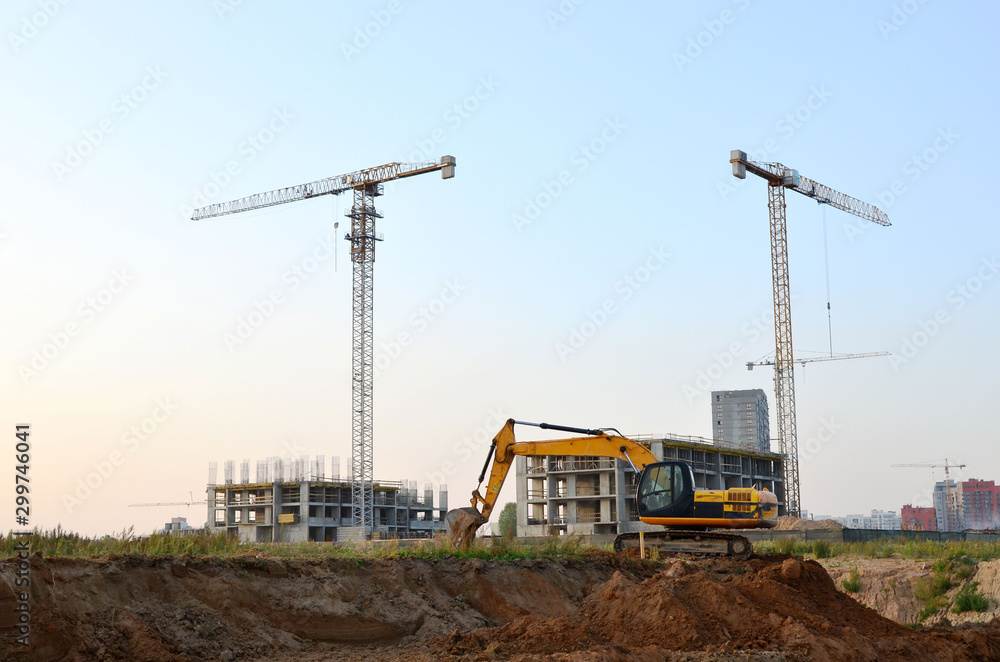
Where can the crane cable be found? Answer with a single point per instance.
(826, 260)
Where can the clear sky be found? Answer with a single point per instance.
(593, 195)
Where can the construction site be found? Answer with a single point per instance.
(644, 544)
(575, 420)
(624, 548)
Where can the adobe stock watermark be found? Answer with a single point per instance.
(248, 150)
(925, 497)
(365, 34)
(703, 40)
(470, 447)
(900, 16)
(57, 341)
(121, 109)
(225, 7)
(456, 115)
(958, 297)
(292, 279)
(419, 321)
(626, 287)
(581, 159)
(825, 433)
(785, 128)
(913, 169)
(34, 23)
(562, 12)
(757, 327)
(129, 442)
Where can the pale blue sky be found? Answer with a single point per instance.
(844, 94)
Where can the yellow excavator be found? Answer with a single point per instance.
(665, 495)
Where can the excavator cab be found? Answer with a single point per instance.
(666, 489)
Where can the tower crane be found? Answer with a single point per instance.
(189, 502)
(779, 178)
(366, 185)
(814, 359)
(946, 520)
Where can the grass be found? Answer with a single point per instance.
(853, 583)
(884, 549)
(954, 566)
(957, 559)
(970, 599)
(58, 542)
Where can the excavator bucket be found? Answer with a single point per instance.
(463, 524)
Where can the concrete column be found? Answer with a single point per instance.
(521, 478)
(620, 494)
(657, 448)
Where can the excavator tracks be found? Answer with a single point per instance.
(697, 543)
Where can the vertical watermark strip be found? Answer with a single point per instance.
(22, 515)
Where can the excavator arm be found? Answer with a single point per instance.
(464, 522)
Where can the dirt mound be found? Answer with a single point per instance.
(796, 524)
(722, 608)
(771, 609)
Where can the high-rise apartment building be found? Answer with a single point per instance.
(917, 518)
(980, 504)
(741, 418)
(948, 506)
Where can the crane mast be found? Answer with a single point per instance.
(780, 177)
(366, 185)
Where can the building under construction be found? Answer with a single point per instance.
(596, 495)
(293, 501)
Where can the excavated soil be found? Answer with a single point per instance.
(606, 608)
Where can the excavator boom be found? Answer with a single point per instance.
(666, 494)
(464, 522)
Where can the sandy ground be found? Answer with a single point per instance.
(606, 607)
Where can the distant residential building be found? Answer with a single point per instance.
(948, 506)
(883, 520)
(178, 526)
(741, 417)
(917, 518)
(980, 504)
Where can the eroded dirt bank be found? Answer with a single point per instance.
(605, 608)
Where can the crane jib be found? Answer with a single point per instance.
(328, 186)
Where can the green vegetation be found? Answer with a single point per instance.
(929, 592)
(508, 521)
(954, 561)
(853, 583)
(251, 556)
(58, 542)
(954, 566)
(884, 549)
(970, 599)
(788, 546)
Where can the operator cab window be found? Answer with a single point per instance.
(659, 488)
